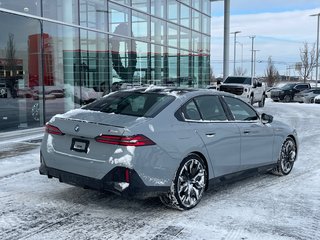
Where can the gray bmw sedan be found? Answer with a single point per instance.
(168, 142)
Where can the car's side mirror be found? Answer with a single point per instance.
(266, 118)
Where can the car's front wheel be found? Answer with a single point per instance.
(189, 184)
(287, 98)
(263, 100)
(287, 157)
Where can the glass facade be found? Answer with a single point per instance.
(56, 55)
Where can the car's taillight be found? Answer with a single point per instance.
(53, 130)
(136, 141)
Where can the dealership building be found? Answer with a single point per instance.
(56, 55)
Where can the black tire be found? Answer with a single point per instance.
(251, 100)
(287, 98)
(263, 100)
(287, 158)
(188, 185)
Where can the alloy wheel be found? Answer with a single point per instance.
(191, 183)
(288, 155)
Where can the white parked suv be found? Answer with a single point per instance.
(248, 89)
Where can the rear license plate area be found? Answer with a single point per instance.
(79, 145)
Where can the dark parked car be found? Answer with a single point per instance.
(287, 92)
(164, 142)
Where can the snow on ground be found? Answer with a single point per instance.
(262, 207)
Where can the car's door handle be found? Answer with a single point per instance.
(210, 135)
(246, 131)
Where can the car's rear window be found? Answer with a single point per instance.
(140, 104)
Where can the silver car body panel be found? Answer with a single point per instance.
(227, 146)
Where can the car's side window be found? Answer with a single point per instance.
(210, 108)
(190, 111)
(240, 110)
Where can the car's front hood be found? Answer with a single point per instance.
(235, 85)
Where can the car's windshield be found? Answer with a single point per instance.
(140, 104)
(239, 80)
(288, 86)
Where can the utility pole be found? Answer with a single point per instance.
(235, 51)
(317, 53)
(226, 39)
(241, 44)
(252, 54)
(254, 61)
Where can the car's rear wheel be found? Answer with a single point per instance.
(189, 184)
(287, 157)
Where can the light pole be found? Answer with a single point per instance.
(241, 44)
(252, 54)
(317, 53)
(234, 50)
(254, 61)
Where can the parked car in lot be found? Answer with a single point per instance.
(317, 99)
(287, 92)
(268, 92)
(306, 96)
(166, 142)
(248, 89)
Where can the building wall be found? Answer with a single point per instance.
(60, 54)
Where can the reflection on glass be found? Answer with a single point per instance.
(185, 15)
(140, 25)
(185, 38)
(206, 7)
(142, 73)
(157, 64)
(61, 10)
(158, 31)
(196, 4)
(172, 35)
(158, 8)
(94, 14)
(196, 20)
(196, 42)
(141, 5)
(27, 6)
(185, 76)
(205, 24)
(172, 11)
(119, 20)
(172, 67)
(20, 73)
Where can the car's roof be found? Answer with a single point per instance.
(177, 91)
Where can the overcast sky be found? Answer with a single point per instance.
(280, 27)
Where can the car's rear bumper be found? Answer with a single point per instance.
(120, 180)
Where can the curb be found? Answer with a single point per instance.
(22, 135)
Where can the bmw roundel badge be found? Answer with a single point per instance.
(77, 128)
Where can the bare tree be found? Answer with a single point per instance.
(308, 59)
(271, 73)
(240, 71)
(11, 64)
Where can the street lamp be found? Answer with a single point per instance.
(235, 50)
(252, 54)
(317, 53)
(254, 61)
(241, 44)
